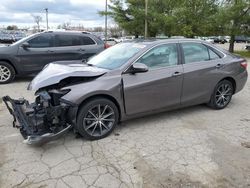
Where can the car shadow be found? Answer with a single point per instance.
(145, 122)
(163, 116)
(23, 79)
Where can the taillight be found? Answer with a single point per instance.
(244, 64)
(106, 46)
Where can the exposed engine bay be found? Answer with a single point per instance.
(43, 120)
(49, 116)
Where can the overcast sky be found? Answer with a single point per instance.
(18, 12)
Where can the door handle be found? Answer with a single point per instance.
(218, 65)
(82, 50)
(176, 74)
(50, 51)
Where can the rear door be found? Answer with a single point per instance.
(73, 47)
(90, 46)
(158, 88)
(203, 67)
(67, 47)
(39, 54)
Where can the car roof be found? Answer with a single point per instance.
(154, 41)
(67, 32)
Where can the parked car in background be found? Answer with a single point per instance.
(177, 37)
(111, 41)
(126, 38)
(131, 79)
(227, 38)
(210, 40)
(19, 36)
(29, 55)
(247, 47)
(7, 38)
(219, 39)
(240, 39)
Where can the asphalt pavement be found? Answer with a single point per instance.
(192, 147)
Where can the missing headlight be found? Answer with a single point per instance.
(56, 94)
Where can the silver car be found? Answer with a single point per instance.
(128, 80)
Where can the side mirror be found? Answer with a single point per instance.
(25, 45)
(137, 68)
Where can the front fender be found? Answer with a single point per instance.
(110, 86)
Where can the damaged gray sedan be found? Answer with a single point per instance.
(129, 80)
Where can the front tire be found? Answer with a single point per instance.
(222, 95)
(97, 118)
(7, 72)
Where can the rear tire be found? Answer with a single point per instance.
(97, 118)
(222, 95)
(7, 72)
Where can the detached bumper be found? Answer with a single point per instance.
(37, 124)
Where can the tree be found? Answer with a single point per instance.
(115, 31)
(195, 17)
(179, 17)
(98, 29)
(37, 20)
(12, 27)
(130, 18)
(66, 25)
(189, 18)
(234, 19)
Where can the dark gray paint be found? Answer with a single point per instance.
(160, 89)
(32, 60)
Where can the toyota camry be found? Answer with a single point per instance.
(129, 80)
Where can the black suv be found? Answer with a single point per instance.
(29, 55)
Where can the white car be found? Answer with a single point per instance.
(210, 40)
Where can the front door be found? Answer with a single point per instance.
(158, 88)
(38, 54)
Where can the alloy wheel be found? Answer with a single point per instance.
(99, 120)
(5, 73)
(223, 95)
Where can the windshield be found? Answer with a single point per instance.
(115, 56)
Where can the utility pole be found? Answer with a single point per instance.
(106, 21)
(47, 21)
(146, 19)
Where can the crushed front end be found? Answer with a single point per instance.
(44, 120)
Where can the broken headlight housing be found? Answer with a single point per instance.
(43, 120)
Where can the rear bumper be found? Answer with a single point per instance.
(34, 124)
(241, 80)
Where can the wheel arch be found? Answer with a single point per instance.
(232, 80)
(106, 96)
(9, 62)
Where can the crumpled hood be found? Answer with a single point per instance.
(53, 73)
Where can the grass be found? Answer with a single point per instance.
(245, 54)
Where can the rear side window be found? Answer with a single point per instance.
(67, 40)
(213, 55)
(86, 40)
(72, 40)
(194, 52)
(42, 41)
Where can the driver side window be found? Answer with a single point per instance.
(161, 56)
(41, 41)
